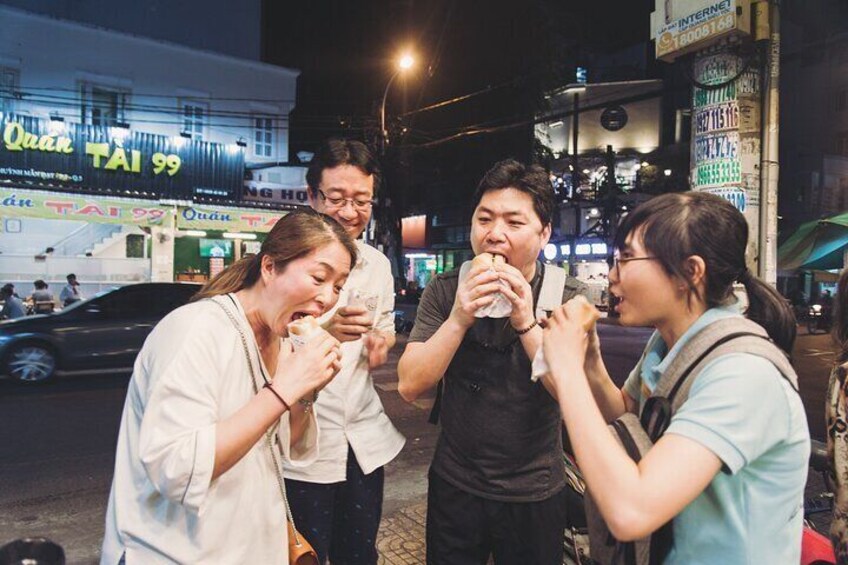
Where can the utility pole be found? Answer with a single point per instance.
(767, 21)
(575, 174)
(734, 107)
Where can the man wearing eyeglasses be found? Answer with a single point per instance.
(337, 501)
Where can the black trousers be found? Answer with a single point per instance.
(340, 520)
(465, 529)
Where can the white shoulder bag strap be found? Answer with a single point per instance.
(550, 296)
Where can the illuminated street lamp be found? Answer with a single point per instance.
(404, 63)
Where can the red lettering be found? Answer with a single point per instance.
(60, 208)
(89, 210)
(252, 221)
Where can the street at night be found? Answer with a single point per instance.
(399, 191)
(57, 448)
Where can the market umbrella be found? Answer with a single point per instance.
(815, 245)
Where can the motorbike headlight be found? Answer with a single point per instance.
(816, 307)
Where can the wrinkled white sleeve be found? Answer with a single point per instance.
(177, 436)
(304, 452)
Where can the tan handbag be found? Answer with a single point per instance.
(300, 551)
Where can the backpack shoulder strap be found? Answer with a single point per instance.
(726, 336)
(754, 345)
(550, 295)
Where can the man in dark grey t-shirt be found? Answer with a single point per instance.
(497, 478)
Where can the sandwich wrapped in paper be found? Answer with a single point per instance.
(303, 330)
(500, 307)
(578, 308)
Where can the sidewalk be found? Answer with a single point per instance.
(400, 539)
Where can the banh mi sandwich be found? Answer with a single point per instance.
(579, 310)
(304, 327)
(487, 260)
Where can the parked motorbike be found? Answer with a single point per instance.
(818, 319)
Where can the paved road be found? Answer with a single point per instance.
(57, 449)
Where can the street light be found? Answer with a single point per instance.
(404, 63)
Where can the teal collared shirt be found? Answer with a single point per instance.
(742, 410)
(657, 357)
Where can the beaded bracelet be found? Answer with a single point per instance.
(528, 328)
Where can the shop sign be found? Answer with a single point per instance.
(717, 173)
(694, 30)
(258, 191)
(614, 118)
(100, 159)
(227, 219)
(709, 97)
(736, 196)
(720, 117)
(719, 146)
(19, 203)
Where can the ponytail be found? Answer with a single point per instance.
(768, 308)
(241, 274)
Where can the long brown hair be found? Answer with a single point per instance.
(296, 235)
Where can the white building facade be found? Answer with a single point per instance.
(147, 137)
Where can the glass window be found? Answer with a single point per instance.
(102, 105)
(8, 89)
(263, 137)
(194, 118)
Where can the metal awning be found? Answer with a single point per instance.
(819, 244)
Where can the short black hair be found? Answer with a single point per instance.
(71, 276)
(335, 152)
(532, 180)
(8, 289)
(40, 284)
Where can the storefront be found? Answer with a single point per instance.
(587, 261)
(61, 188)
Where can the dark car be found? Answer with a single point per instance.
(101, 334)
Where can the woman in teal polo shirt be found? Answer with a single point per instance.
(730, 470)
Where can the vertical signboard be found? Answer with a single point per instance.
(726, 133)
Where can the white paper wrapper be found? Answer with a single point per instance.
(539, 366)
(500, 307)
(299, 340)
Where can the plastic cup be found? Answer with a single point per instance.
(367, 300)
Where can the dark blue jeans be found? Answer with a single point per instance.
(340, 520)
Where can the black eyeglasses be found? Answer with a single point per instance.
(616, 260)
(337, 202)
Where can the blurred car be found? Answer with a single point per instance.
(100, 334)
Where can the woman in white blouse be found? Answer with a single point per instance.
(195, 481)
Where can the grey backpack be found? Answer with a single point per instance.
(637, 434)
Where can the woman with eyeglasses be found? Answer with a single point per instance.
(730, 469)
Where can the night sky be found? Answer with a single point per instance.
(345, 51)
(508, 53)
